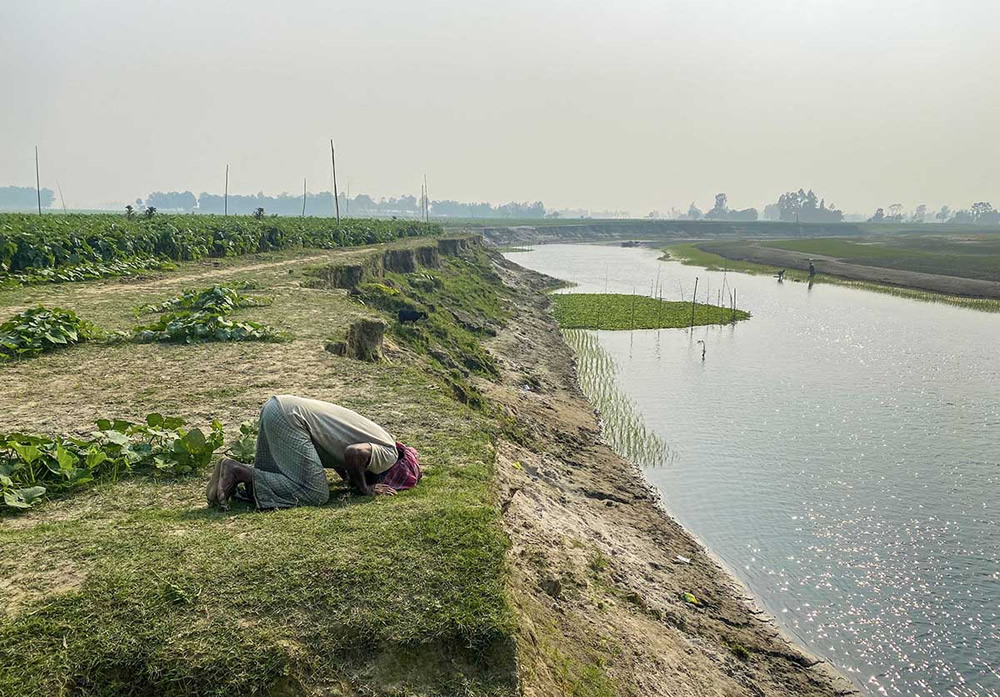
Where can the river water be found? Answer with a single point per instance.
(839, 451)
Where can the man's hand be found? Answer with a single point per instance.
(383, 490)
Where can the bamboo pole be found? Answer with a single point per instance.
(336, 196)
(427, 202)
(694, 297)
(303, 197)
(226, 200)
(38, 183)
(631, 321)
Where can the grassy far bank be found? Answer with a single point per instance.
(712, 256)
(617, 311)
(966, 257)
(136, 588)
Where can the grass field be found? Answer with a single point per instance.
(966, 256)
(614, 311)
(704, 254)
(136, 588)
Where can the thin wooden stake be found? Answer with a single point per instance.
(631, 321)
(694, 297)
(226, 203)
(336, 196)
(303, 197)
(38, 182)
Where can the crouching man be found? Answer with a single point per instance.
(297, 440)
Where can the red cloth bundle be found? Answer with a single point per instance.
(406, 472)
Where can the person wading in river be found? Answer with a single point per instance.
(297, 440)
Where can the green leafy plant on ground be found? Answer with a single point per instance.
(192, 327)
(33, 466)
(203, 315)
(244, 447)
(613, 311)
(86, 271)
(218, 298)
(41, 329)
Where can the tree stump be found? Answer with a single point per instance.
(364, 341)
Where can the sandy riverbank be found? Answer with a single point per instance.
(594, 555)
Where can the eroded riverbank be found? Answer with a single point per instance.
(600, 570)
(837, 451)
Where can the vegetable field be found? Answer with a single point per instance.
(75, 247)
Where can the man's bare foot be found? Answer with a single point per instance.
(211, 491)
(228, 479)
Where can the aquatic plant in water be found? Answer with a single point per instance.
(619, 311)
(622, 426)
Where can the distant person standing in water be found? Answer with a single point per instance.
(812, 269)
(298, 439)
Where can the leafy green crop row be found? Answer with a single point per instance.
(30, 243)
(39, 329)
(86, 271)
(203, 315)
(34, 466)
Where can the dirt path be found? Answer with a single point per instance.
(936, 283)
(595, 556)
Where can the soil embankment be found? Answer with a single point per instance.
(600, 570)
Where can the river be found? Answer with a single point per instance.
(839, 452)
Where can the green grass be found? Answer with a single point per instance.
(136, 588)
(970, 257)
(693, 255)
(614, 311)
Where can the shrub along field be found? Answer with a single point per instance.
(35, 249)
(114, 585)
(614, 311)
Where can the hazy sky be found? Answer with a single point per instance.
(632, 104)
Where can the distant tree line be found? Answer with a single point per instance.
(24, 197)
(321, 203)
(720, 211)
(980, 213)
(792, 207)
